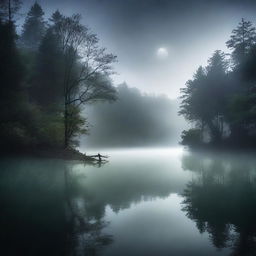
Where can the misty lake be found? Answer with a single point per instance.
(141, 202)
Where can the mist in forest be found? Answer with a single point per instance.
(136, 119)
(128, 127)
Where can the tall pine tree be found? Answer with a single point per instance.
(33, 28)
(8, 9)
(241, 40)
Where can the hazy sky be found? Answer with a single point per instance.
(188, 31)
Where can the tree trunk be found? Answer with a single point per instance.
(66, 139)
(9, 11)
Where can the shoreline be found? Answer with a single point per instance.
(63, 154)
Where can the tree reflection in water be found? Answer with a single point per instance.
(84, 232)
(43, 211)
(221, 199)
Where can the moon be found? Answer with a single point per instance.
(162, 53)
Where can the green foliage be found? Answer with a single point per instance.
(243, 109)
(20, 119)
(241, 40)
(85, 70)
(220, 96)
(11, 68)
(44, 83)
(12, 106)
(33, 28)
(191, 137)
(8, 9)
(204, 98)
(77, 125)
(48, 71)
(50, 130)
(191, 105)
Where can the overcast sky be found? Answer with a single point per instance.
(189, 31)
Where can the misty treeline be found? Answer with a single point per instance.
(221, 98)
(135, 119)
(48, 72)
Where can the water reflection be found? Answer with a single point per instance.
(54, 207)
(140, 203)
(85, 235)
(222, 199)
(130, 178)
(32, 216)
(42, 212)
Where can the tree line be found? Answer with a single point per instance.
(48, 72)
(220, 99)
(135, 120)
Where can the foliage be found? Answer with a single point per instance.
(8, 9)
(241, 40)
(221, 98)
(77, 125)
(47, 72)
(57, 69)
(191, 137)
(86, 68)
(33, 28)
(203, 100)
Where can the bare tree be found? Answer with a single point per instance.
(87, 67)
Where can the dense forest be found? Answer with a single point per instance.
(48, 72)
(220, 100)
(53, 67)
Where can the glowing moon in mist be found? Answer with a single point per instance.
(162, 53)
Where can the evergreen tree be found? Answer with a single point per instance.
(46, 89)
(241, 40)
(216, 93)
(217, 64)
(8, 8)
(13, 105)
(10, 65)
(191, 104)
(204, 98)
(56, 18)
(34, 27)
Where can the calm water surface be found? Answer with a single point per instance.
(141, 202)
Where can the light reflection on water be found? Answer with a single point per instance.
(155, 227)
(173, 151)
(142, 202)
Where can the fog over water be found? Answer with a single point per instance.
(129, 130)
(151, 201)
(134, 120)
